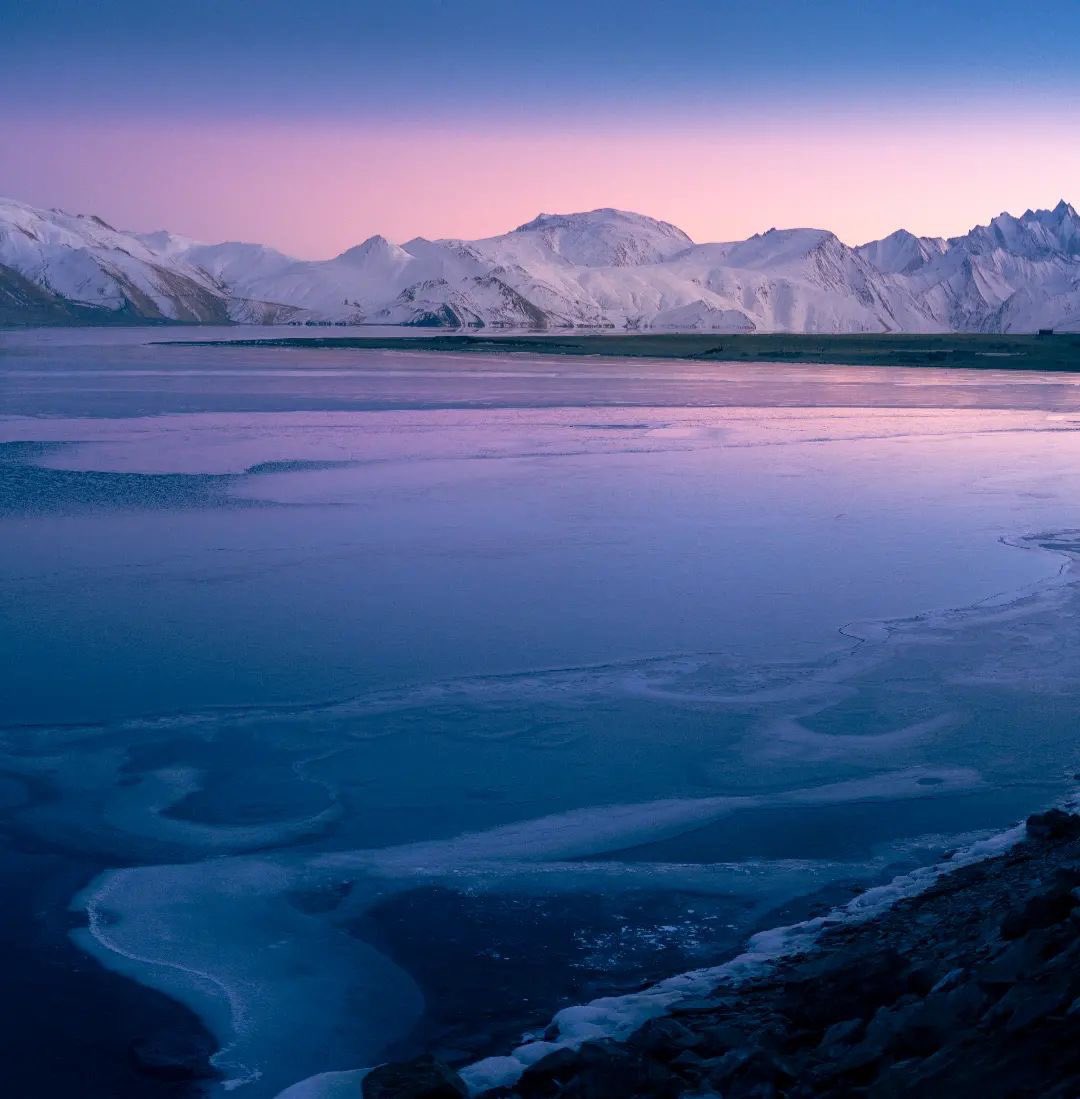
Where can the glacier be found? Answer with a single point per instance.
(604, 268)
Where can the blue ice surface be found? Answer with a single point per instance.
(385, 614)
(530, 533)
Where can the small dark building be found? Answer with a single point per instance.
(1043, 333)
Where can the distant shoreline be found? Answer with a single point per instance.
(1059, 352)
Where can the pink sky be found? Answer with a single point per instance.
(315, 190)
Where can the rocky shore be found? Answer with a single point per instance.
(972, 987)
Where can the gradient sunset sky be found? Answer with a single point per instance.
(311, 125)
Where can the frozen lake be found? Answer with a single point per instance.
(415, 697)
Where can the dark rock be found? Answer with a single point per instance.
(664, 1039)
(721, 1069)
(921, 979)
(896, 1080)
(1039, 912)
(1030, 1003)
(700, 1005)
(861, 981)
(1066, 877)
(966, 1002)
(1053, 825)
(1065, 1089)
(719, 1038)
(598, 1070)
(923, 1030)
(548, 1074)
(421, 1078)
(902, 1029)
(843, 1033)
(860, 1059)
(1017, 961)
(688, 1061)
(169, 1056)
(758, 1076)
(951, 980)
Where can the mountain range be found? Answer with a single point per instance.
(601, 269)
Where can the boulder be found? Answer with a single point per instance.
(759, 1075)
(664, 1039)
(829, 988)
(598, 1070)
(843, 1033)
(1053, 825)
(1027, 1004)
(550, 1073)
(1018, 960)
(1044, 910)
(421, 1078)
(718, 1038)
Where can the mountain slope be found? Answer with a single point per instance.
(1015, 274)
(902, 253)
(599, 238)
(89, 272)
(602, 268)
(83, 262)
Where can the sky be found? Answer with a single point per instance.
(313, 125)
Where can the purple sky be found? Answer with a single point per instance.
(313, 127)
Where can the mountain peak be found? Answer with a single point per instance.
(1061, 211)
(902, 252)
(607, 237)
(782, 247)
(376, 247)
(602, 215)
(1035, 234)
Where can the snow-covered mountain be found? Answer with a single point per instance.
(1013, 275)
(57, 267)
(902, 253)
(604, 268)
(600, 238)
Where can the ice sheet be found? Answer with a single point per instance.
(294, 637)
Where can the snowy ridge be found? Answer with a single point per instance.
(605, 268)
(82, 268)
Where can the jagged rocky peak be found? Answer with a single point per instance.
(1061, 214)
(1035, 234)
(1065, 222)
(608, 237)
